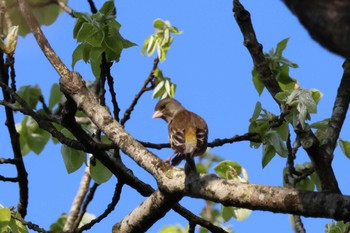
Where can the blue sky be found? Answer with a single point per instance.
(212, 70)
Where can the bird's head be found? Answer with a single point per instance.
(167, 108)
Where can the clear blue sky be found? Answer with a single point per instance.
(212, 70)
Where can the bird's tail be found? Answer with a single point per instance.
(190, 165)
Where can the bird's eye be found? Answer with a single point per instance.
(162, 106)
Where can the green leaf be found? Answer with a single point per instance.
(30, 94)
(259, 86)
(320, 124)
(107, 8)
(55, 95)
(345, 147)
(16, 226)
(86, 52)
(316, 95)
(277, 142)
(78, 24)
(282, 96)
(305, 184)
(228, 169)
(158, 90)
(84, 32)
(281, 46)
(96, 68)
(240, 213)
(268, 153)
(227, 212)
(151, 47)
(99, 172)
(73, 159)
(96, 55)
(37, 138)
(77, 54)
(159, 23)
(5, 217)
(145, 45)
(59, 224)
(256, 112)
(283, 131)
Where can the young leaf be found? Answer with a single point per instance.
(77, 54)
(17, 226)
(37, 138)
(99, 172)
(5, 217)
(268, 153)
(277, 142)
(345, 147)
(73, 159)
(158, 23)
(228, 169)
(281, 46)
(256, 112)
(30, 94)
(107, 8)
(240, 213)
(55, 95)
(259, 86)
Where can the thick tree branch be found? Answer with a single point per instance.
(172, 180)
(140, 219)
(319, 17)
(307, 139)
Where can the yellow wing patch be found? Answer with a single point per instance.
(191, 136)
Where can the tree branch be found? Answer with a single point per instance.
(140, 219)
(307, 139)
(77, 202)
(138, 95)
(41, 39)
(22, 174)
(209, 187)
(340, 109)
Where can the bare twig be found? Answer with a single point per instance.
(9, 179)
(22, 174)
(138, 95)
(110, 208)
(87, 201)
(30, 225)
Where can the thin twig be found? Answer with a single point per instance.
(88, 199)
(15, 143)
(110, 208)
(138, 95)
(9, 179)
(30, 225)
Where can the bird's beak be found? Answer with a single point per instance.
(157, 114)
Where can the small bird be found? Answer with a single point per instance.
(188, 132)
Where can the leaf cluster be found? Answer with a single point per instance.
(98, 34)
(161, 40)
